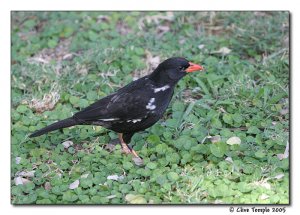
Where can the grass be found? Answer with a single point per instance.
(222, 139)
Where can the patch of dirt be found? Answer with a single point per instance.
(59, 53)
(151, 63)
(47, 103)
(157, 19)
(123, 28)
(103, 18)
(191, 95)
(161, 20)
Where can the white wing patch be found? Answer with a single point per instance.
(156, 90)
(107, 120)
(114, 98)
(150, 105)
(134, 120)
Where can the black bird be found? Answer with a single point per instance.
(133, 108)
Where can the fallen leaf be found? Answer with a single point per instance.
(234, 141)
(263, 183)
(266, 185)
(284, 111)
(280, 176)
(67, 144)
(285, 154)
(115, 177)
(151, 201)
(264, 196)
(111, 196)
(29, 174)
(215, 139)
(201, 46)
(84, 176)
(47, 186)
(18, 160)
(135, 199)
(38, 59)
(19, 180)
(229, 159)
(281, 156)
(181, 41)
(67, 56)
(74, 185)
(222, 51)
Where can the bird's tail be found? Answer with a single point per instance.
(60, 124)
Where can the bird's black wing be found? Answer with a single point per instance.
(126, 104)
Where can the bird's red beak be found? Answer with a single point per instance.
(194, 67)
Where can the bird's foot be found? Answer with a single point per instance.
(135, 157)
(138, 161)
(126, 149)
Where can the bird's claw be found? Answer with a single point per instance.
(138, 161)
(135, 157)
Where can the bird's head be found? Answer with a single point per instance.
(173, 69)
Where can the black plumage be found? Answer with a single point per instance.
(134, 107)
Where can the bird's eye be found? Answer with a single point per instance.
(181, 68)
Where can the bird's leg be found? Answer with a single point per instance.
(127, 149)
(133, 152)
(124, 146)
